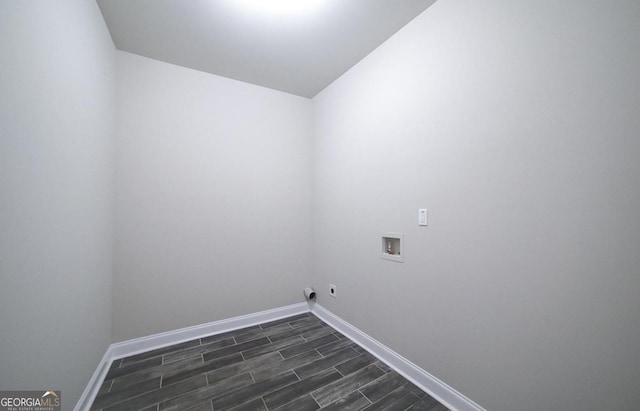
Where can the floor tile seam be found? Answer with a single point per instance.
(135, 371)
(230, 366)
(204, 362)
(129, 384)
(173, 361)
(327, 370)
(380, 368)
(334, 365)
(124, 364)
(314, 339)
(198, 369)
(248, 399)
(161, 354)
(156, 371)
(144, 374)
(255, 336)
(324, 345)
(243, 402)
(305, 324)
(313, 336)
(326, 385)
(283, 338)
(175, 407)
(181, 392)
(286, 403)
(343, 375)
(130, 397)
(414, 401)
(261, 368)
(240, 388)
(364, 386)
(205, 348)
(193, 377)
(187, 357)
(280, 321)
(293, 399)
(365, 397)
(233, 353)
(296, 374)
(404, 384)
(204, 372)
(382, 376)
(264, 394)
(315, 399)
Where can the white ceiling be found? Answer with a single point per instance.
(299, 53)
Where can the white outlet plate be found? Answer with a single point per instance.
(423, 218)
(332, 290)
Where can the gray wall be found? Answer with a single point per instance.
(516, 124)
(212, 199)
(57, 82)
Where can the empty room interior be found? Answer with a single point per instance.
(458, 181)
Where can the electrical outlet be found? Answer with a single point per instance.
(332, 290)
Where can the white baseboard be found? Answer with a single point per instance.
(436, 388)
(427, 382)
(152, 342)
(92, 388)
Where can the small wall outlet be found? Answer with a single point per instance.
(332, 290)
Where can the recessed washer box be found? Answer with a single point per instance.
(393, 247)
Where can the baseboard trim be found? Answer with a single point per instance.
(448, 396)
(92, 388)
(152, 342)
(435, 387)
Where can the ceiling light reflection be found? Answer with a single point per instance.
(282, 6)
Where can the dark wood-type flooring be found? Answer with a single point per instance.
(297, 363)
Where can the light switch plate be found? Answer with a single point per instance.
(423, 217)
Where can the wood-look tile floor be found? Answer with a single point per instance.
(297, 363)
